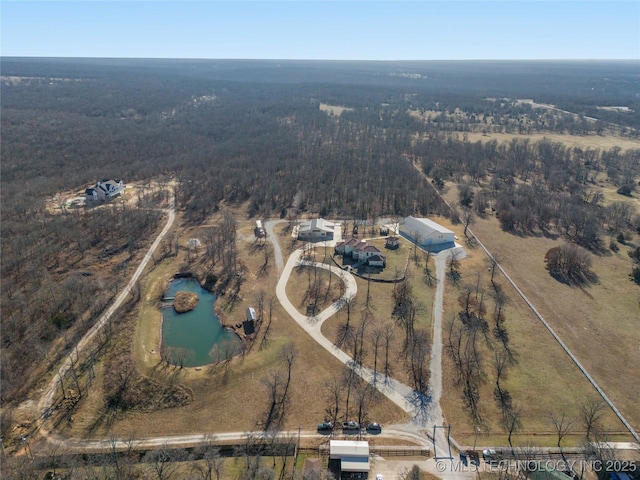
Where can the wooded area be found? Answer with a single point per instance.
(253, 132)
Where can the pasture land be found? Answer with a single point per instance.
(599, 324)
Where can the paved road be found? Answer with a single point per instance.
(47, 397)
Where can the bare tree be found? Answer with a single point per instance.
(363, 397)
(375, 338)
(591, 412)
(512, 421)
(414, 473)
(418, 359)
(265, 338)
(333, 388)
(501, 363)
(346, 333)
(163, 461)
(562, 425)
(388, 336)
(468, 218)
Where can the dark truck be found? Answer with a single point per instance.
(325, 427)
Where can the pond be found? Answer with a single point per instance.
(196, 337)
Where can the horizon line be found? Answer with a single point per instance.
(78, 57)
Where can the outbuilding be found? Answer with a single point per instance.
(251, 314)
(316, 230)
(427, 233)
(353, 456)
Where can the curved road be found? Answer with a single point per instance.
(402, 395)
(425, 412)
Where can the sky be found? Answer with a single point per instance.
(328, 30)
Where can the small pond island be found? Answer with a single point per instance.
(195, 337)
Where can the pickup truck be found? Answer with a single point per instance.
(350, 425)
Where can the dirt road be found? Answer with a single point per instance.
(46, 400)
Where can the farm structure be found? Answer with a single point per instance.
(259, 230)
(426, 233)
(315, 230)
(353, 457)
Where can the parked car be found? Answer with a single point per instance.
(379, 477)
(325, 427)
(350, 425)
(488, 453)
(374, 427)
(489, 456)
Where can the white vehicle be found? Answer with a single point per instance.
(379, 477)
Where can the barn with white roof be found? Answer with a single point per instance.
(426, 233)
(353, 456)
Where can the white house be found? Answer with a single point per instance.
(104, 190)
(353, 456)
(426, 233)
(315, 230)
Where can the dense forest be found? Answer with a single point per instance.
(256, 133)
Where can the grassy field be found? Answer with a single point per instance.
(544, 380)
(308, 283)
(334, 109)
(582, 141)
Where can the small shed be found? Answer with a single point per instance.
(259, 230)
(251, 314)
(249, 324)
(392, 243)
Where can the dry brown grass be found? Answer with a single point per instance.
(334, 109)
(545, 380)
(592, 141)
(379, 313)
(224, 400)
(303, 286)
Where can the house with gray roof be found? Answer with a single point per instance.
(316, 230)
(104, 190)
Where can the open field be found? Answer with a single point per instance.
(312, 286)
(332, 110)
(581, 141)
(544, 380)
